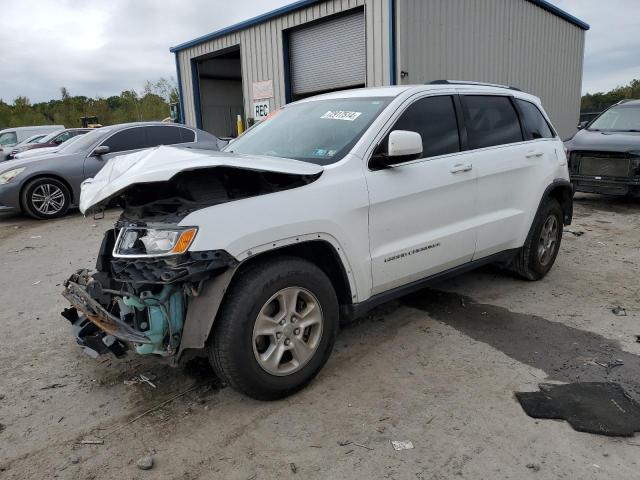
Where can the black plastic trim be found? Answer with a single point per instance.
(566, 203)
(462, 128)
(480, 84)
(356, 310)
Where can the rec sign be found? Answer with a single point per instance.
(260, 110)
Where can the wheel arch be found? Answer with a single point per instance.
(39, 176)
(204, 309)
(562, 191)
(321, 253)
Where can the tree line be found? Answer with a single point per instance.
(153, 104)
(130, 106)
(597, 102)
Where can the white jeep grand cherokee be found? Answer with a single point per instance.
(331, 206)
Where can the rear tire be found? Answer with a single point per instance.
(538, 254)
(45, 198)
(276, 328)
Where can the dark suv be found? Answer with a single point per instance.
(604, 156)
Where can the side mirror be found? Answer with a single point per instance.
(402, 146)
(581, 125)
(101, 150)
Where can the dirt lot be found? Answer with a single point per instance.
(438, 368)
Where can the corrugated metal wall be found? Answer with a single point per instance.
(262, 56)
(512, 42)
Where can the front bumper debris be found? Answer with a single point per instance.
(93, 341)
(137, 302)
(76, 293)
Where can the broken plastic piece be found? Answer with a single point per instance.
(402, 445)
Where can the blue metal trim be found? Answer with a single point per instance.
(179, 80)
(549, 7)
(305, 3)
(288, 93)
(392, 42)
(195, 80)
(247, 23)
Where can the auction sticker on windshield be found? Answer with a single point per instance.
(341, 115)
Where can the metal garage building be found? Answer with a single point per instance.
(314, 46)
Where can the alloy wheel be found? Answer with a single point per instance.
(548, 241)
(287, 331)
(48, 199)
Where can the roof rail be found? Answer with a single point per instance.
(466, 82)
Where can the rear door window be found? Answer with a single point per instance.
(128, 139)
(164, 135)
(535, 125)
(434, 118)
(490, 120)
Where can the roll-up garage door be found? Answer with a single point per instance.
(328, 55)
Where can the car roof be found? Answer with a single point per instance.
(628, 103)
(33, 127)
(144, 124)
(396, 91)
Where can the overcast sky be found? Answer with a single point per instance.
(99, 48)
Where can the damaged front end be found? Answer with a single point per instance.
(137, 301)
(149, 291)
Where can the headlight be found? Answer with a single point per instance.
(153, 242)
(6, 177)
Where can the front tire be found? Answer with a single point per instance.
(538, 254)
(45, 198)
(276, 328)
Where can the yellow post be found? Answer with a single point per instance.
(240, 125)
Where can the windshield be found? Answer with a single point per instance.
(86, 141)
(317, 131)
(619, 119)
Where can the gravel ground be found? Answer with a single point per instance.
(438, 368)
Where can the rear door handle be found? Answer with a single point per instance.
(461, 167)
(534, 154)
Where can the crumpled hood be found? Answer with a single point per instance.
(162, 163)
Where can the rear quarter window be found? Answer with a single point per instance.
(534, 123)
(490, 121)
(187, 135)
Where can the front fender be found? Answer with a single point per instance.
(203, 308)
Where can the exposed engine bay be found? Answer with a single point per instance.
(195, 189)
(140, 291)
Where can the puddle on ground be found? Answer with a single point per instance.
(565, 353)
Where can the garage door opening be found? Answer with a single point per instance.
(220, 85)
(327, 56)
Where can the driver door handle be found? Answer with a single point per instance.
(461, 167)
(534, 154)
